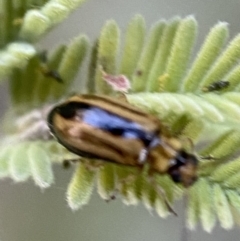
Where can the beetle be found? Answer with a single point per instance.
(105, 128)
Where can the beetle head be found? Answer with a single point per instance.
(184, 169)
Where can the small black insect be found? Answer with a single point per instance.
(53, 74)
(216, 86)
(46, 70)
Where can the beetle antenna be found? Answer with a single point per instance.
(209, 157)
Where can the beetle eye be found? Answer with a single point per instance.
(175, 175)
(67, 111)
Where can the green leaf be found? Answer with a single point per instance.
(34, 26)
(206, 205)
(136, 188)
(233, 181)
(142, 71)
(15, 55)
(231, 110)
(161, 208)
(180, 53)
(207, 55)
(193, 209)
(91, 88)
(106, 181)
(228, 59)
(126, 178)
(234, 199)
(133, 45)
(48, 85)
(222, 208)
(149, 195)
(36, 23)
(23, 84)
(55, 12)
(8, 10)
(19, 163)
(71, 61)
(232, 96)
(81, 186)
(162, 55)
(162, 104)
(108, 45)
(225, 171)
(71, 4)
(224, 146)
(40, 164)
